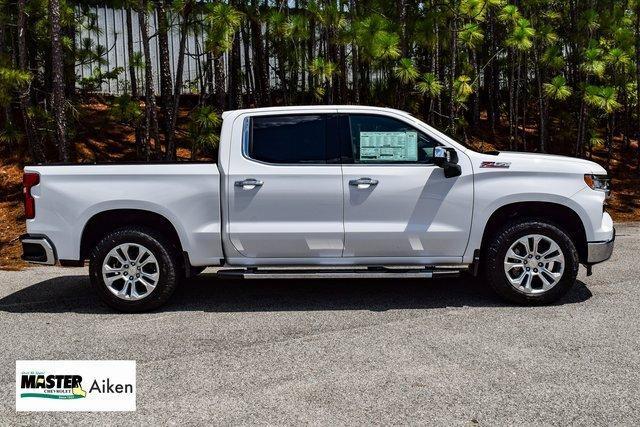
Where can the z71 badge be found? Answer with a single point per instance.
(500, 165)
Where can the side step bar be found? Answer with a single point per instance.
(336, 273)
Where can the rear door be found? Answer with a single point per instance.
(397, 203)
(285, 188)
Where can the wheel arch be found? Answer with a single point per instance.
(105, 221)
(562, 216)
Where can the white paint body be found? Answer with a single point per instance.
(309, 214)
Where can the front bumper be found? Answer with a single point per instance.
(38, 249)
(600, 251)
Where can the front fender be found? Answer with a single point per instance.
(482, 216)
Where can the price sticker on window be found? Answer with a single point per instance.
(388, 146)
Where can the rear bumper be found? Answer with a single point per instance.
(600, 251)
(38, 249)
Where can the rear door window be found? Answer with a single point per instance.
(293, 139)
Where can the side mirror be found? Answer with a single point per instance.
(447, 159)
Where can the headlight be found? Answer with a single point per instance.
(599, 182)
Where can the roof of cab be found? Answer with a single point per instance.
(311, 108)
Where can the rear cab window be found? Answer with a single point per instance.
(293, 139)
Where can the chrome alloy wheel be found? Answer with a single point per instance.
(534, 264)
(130, 271)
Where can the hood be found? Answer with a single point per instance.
(543, 162)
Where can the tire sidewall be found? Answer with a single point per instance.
(497, 251)
(158, 247)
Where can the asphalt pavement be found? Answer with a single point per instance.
(381, 351)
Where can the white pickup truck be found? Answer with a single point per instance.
(369, 192)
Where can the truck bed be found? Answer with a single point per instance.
(186, 194)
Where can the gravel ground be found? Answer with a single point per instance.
(343, 352)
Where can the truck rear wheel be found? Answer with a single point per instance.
(133, 269)
(531, 262)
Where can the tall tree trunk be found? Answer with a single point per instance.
(132, 69)
(542, 104)
(209, 73)
(355, 70)
(57, 82)
(246, 50)
(266, 70)
(401, 7)
(151, 114)
(475, 97)
(33, 140)
(69, 60)
(491, 80)
(452, 95)
(343, 73)
(637, 25)
(259, 65)
(235, 81)
(311, 49)
(177, 87)
(355, 57)
(133, 80)
(219, 78)
(166, 84)
(516, 101)
(511, 97)
(437, 71)
(609, 139)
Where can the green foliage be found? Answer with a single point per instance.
(462, 88)
(521, 36)
(386, 45)
(137, 60)
(510, 12)
(553, 57)
(429, 85)
(471, 35)
(126, 109)
(593, 62)
(406, 71)
(203, 129)
(557, 89)
(618, 58)
(93, 83)
(322, 69)
(375, 38)
(10, 135)
(604, 98)
(11, 80)
(221, 20)
(512, 55)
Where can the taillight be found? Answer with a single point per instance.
(29, 179)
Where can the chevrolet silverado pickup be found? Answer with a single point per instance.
(323, 191)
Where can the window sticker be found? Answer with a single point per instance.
(389, 146)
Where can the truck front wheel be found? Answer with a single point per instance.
(133, 269)
(531, 262)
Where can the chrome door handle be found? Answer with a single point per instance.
(363, 182)
(249, 184)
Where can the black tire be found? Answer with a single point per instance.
(496, 250)
(162, 250)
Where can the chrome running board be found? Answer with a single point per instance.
(338, 273)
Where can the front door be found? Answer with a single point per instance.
(285, 189)
(397, 203)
